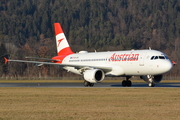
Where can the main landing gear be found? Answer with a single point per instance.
(127, 82)
(86, 84)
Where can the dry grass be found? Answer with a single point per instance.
(89, 103)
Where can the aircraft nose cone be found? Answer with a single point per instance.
(167, 66)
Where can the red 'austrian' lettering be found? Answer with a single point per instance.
(124, 57)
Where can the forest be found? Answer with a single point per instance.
(26, 29)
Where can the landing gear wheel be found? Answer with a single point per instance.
(127, 83)
(151, 84)
(91, 84)
(86, 84)
(124, 83)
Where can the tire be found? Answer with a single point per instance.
(129, 83)
(124, 83)
(151, 84)
(86, 83)
(91, 84)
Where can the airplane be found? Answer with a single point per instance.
(149, 64)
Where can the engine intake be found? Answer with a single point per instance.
(94, 75)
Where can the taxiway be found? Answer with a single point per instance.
(80, 85)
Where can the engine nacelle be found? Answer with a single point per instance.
(155, 78)
(94, 75)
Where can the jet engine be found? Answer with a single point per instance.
(152, 78)
(94, 75)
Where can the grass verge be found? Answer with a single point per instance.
(89, 103)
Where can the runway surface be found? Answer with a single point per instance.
(80, 85)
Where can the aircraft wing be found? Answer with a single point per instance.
(42, 59)
(104, 68)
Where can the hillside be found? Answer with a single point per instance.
(26, 29)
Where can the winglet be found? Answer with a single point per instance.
(5, 60)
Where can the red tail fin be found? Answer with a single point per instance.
(61, 41)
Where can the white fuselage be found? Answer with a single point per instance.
(123, 63)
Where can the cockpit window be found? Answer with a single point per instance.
(152, 57)
(166, 57)
(161, 57)
(156, 57)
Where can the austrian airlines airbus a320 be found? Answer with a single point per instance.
(150, 65)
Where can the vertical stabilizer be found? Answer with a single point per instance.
(61, 41)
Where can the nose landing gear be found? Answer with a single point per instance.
(151, 82)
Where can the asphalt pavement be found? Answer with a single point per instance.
(81, 85)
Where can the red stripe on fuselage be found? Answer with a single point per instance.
(60, 58)
(65, 51)
(62, 54)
